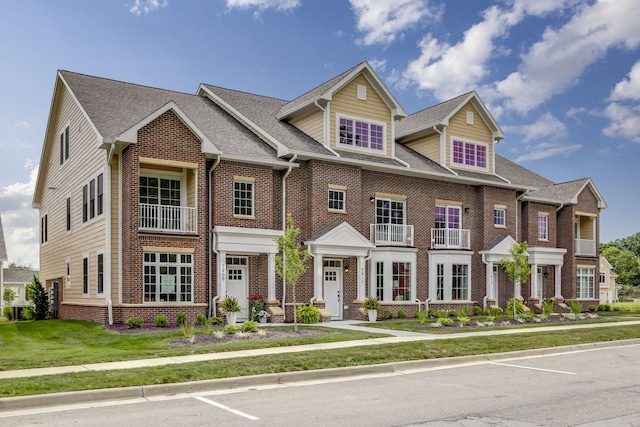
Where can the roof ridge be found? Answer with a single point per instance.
(245, 92)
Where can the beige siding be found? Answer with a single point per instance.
(347, 103)
(312, 125)
(428, 146)
(477, 132)
(85, 162)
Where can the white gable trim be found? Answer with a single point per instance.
(341, 240)
(249, 241)
(499, 251)
(484, 114)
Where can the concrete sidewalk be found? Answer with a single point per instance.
(395, 338)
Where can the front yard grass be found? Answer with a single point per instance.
(319, 359)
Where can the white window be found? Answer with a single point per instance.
(469, 154)
(499, 216)
(543, 226)
(394, 276)
(449, 276)
(243, 198)
(68, 214)
(44, 228)
(100, 273)
(361, 134)
(67, 270)
(93, 198)
(585, 283)
(64, 145)
(168, 277)
(603, 277)
(336, 200)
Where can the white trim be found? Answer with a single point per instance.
(67, 273)
(249, 241)
(448, 258)
(464, 165)
(86, 294)
(98, 253)
(354, 147)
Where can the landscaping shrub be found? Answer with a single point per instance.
(421, 316)
(308, 314)
(431, 313)
(476, 310)
(592, 308)
(453, 313)
(201, 319)
(464, 312)
(231, 329)
(388, 314)
(547, 308)
(249, 326)
(181, 318)
(35, 292)
(514, 310)
(133, 322)
(28, 313)
(216, 321)
(160, 321)
(402, 314)
(415, 314)
(8, 313)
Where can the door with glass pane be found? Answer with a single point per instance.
(390, 221)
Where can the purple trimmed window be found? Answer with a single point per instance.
(543, 227)
(469, 154)
(361, 134)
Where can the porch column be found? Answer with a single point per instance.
(534, 281)
(271, 277)
(222, 274)
(361, 292)
(317, 277)
(558, 271)
(489, 285)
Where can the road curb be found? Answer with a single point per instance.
(141, 392)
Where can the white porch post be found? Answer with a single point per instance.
(222, 274)
(534, 281)
(361, 293)
(489, 280)
(317, 277)
(271, 277)
(558, 281)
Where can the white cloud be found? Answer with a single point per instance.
(545, 150)
(624, 121)
(145, 7)
(379, 65)
(24, 125)
(559, 59)
(546, 127)
(264, 4)
(383, 21)
(628, 88)
(20, 221)
(574, 112)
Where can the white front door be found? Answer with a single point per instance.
(333, 291)
(494, 283)
(237, 284)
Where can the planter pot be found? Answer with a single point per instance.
(373, 315)
(262, 319)
(231, 318)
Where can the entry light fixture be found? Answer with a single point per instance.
(346, 268)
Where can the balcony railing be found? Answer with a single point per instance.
(450, 238)
(392, 234)
(585, 247)
(168, 218)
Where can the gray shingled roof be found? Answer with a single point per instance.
(429, 116)
(3, 247)
(262, 111)
(563, 192)
(313, 93)
(519, 175)
(18, 275)
(114, 107)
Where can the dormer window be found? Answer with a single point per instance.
(469, 154)
(361, 134)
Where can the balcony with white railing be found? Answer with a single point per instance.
(167, 219)
(391, 234)
(450, 238)
(585, 247)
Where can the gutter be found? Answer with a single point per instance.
(211, 243)
(284, 226)
(107, 214)
(443, 144)
(519, 199)
(326, 126)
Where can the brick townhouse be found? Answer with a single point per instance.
(158, 202)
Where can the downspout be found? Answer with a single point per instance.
(486, 297)
(284, 227)
(212, 305)
(313, 298)
(518, 199)
(443, 164)
(326, 134)
(426, 305)
(107, 213)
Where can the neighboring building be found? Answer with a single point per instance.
(608, 286)
(157, 202)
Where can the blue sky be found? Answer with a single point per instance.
(562, 77)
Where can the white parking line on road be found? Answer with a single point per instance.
(532, 368)
(226, 408)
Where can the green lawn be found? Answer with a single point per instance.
(309, 360)
(31, 344)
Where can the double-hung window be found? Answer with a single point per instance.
(64, 145)
(243, 197)
(44, 228)
(100, 275)
(361, 134)
(469, 154)
(168, 277)
(543, 226)
(585, 282)
(93, 198)
(68, 214)
(85, 275)
(336, 198)
(499, 216)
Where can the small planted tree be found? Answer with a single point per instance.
(38, 295)
(8, 295)
(517, 268)
(291, 263)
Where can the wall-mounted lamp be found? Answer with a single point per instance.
(545, 272)
(466, 210)
(372, 199)
(346, 268)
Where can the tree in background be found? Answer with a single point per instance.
(8, 295)
(38, 295)
(630, 244)
(624, 257)
(292, 262)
